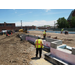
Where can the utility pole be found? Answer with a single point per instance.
(54, 24)
(21, 24)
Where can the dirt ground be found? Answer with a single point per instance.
(66, 39)
(15, 52)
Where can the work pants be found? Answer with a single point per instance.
(40, 52)
(44, 36)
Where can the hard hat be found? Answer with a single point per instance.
(45, 30)
(38, 37)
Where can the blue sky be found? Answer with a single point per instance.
(37, 17)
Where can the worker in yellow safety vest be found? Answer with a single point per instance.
(39, 46)
(44, 34)
(62, 30)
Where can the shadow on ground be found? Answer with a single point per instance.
(35, 58)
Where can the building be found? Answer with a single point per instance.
(70, 16)
(7, 26)
(42, 27)
(28, 27)
(11, 26)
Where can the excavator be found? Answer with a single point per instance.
(23, 30)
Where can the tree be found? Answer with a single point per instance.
(46, 25)
(62, 23)
(73, 22)
(32, 25)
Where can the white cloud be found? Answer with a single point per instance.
(36, 23)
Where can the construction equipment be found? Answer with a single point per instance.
(9, 32)
(23, 30)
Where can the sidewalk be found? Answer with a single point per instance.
(40, 61)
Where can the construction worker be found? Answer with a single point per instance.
(39, 46)
(44, 34)
(62, 30)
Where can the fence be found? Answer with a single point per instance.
(59, 29)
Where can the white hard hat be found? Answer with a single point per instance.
(38, 37)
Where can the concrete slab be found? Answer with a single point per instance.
(54, 45)
(54, 60)
(40, 62)
(73, 51)
(50, 39)
(64, 50)
(58, 42)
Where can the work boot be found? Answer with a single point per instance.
(40, 57)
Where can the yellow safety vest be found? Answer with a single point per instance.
(38, 43)
(61, 29)
(44, 33)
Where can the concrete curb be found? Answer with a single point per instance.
(73, 51)
(54, 60)
(54, 42)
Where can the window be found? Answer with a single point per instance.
(1, 24)
(8, 24)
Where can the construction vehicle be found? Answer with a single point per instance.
(23, 30)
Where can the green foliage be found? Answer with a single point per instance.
(62, 23)
(32, 25)
(73, 22)
(46, 25)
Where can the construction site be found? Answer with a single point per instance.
(17, 43)
(17, 49)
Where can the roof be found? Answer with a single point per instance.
(7, 23)
(70, 16)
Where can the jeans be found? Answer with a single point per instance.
(44, 36)
(40, 52)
